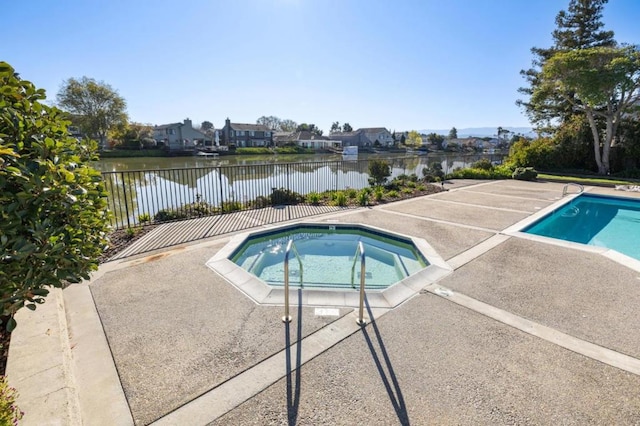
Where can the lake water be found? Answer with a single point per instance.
(144, 186)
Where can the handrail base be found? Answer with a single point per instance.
(286, 318)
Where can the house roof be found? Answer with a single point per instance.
(298, 136)
(373, 129)
(167, 126)
(250, 127)
(341, 134)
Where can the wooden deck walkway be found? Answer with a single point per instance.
(173, 233)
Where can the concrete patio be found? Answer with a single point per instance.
(522, 331)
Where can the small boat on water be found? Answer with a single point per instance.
(349, 151)
(207, 154)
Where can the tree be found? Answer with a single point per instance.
(414, 139)
(206, 126)
(98, 106)
(453, 133)
(346, 127)
(379, 171)
(53, 217)
(580, 27)
(435, 139)
(602, 82)
(304, 127)
(272, 122)
(287, 125)
(335, 127)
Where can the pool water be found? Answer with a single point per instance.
(596, 220)
(327, 256)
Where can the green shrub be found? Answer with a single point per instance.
(498, 172)
(285, 196)
(392, 194)
(10, 414)
(352, 193)
(483, 164)
(421, 188)
(186, 211)
(378, 193)
(340, 199)
(363, 198)
(261, 202)
(144, 217)
(53, 217)
(379, 172)
(525, 173)
(313, 198)
(539, 154)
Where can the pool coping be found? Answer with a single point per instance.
(263, 294)
(516, 230)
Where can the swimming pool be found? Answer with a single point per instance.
(328, 255)
(596, 220)
(397, 266)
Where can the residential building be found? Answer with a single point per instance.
(245, 135)
(305, 139)
(180, 136)
(364, 137)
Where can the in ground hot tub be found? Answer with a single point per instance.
(396, 266)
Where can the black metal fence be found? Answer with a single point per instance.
(137, 197)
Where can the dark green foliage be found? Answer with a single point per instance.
(285, 196)
(483, 164)
(379, 171)
(187, 211)
(53, 217)
(433, 172)
(363, 197)
(525, 173)
(261, 202)
(539, 154)
(313, 198)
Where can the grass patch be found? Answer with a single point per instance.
(586, 180)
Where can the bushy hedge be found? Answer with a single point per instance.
(539, 154)
(497, 172)
(53, 218)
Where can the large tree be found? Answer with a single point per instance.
(97, 106)
(346, 127)
(53, 217)
(414, 139)
(288, 125)
(579, 27)
(271, 122)
(602, 82)
(453, 133)
(335, 127)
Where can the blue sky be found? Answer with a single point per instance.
(402, 64)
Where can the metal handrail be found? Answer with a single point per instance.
(363, 275)
(290, 248)
(566, 187)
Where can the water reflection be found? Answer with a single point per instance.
(147, 185)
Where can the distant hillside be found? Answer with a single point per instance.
(481, 131)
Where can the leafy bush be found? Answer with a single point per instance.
(363, 198)
(379, 171)
(378, 193)
(53, 217)
(340, 199)
(392, 194)
(525, 173)
(352, 193)
(186, 211)
(285, 196)
(539, 153)
(144, 217)
(261, 202)
(483, 164)
(10, 414)
(498, 172)
(313, 198)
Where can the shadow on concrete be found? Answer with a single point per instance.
(390, 380)
(293, 393)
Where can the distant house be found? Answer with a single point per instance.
(364, 137)
(305, 139)
(245, 135)
(180, 136)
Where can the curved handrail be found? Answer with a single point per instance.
(290, 248)
(566, 187)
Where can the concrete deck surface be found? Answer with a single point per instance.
(522, 332)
